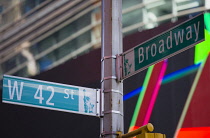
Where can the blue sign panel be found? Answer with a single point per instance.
(48, 95)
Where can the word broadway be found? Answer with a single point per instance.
(169, 43)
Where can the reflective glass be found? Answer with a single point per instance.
(132, 17)
(188, 4)
(13, 62)
(159, 8)
(129, 3)
(46, 61)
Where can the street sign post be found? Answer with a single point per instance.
(48, 95)
(111, 89)
(165, 45)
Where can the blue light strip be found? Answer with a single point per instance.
(132, 93)
(166, 79)
(180, 73)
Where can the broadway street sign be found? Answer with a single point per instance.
(48, 95)
(165, 45)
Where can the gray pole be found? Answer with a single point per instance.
(111, 89)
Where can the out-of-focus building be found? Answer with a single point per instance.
(36, 35)
(38, 38)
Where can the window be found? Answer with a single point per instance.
(28, 5)
(13, 62)
(1, 9)
(129, 3)
(44, 44)
(46, 61)
(184, 5)
(132, 18)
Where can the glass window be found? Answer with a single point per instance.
(34, 49)
(74, 27)
(47, 43)
(159, 8)
(129, 3)
(21, 58)
(188, 4)
(28, 5)
(83, 21)
(13, 62)
(59, 36)
(84, 39)
(22, 73)
(46, 61)
(44, 44)
(156, 9)
(132, 17)
(63, 34)
(1, 9)
(9, 64)
(72, 45)
(66, 31)
(65, 49)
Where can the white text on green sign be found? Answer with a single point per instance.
(165, 45)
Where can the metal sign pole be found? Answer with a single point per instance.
(112, 90)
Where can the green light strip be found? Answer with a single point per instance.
(207, 21)
(201, 53)
(202, 49)
(141, 96)
(189, 98)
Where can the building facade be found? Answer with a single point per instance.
(48, 39)
(42, 34)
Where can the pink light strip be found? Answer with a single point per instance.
(155, 93)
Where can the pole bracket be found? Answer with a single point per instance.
(119, 68)
(108, 57)
(112, 90)
(112, 111)
(109, 77)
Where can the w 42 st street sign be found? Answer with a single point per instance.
(165, 45)
(48, 95)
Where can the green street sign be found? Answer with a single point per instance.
(165, 45)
